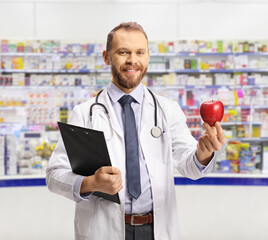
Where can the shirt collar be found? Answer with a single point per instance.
(116, 93)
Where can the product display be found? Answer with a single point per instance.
(243, 157)
(2, 155)
(41, 81)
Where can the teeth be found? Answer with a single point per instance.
(129, 70)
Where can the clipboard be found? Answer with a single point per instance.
(87, 151)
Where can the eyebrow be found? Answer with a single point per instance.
(126, 49)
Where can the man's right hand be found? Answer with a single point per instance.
(105, 179)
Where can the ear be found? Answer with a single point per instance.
(106, 58)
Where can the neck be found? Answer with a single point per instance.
(125, 90)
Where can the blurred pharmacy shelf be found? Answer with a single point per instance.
(175, 87)
(256, 139)
(239, 123)
(41, 81)
(152, 54)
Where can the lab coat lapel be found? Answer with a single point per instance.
(117, 155)
(146, 139)
(104, 99)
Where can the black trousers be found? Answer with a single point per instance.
(140, 232)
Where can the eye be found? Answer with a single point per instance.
(123, 52)
(140, 52)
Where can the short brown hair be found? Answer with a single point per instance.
(128, 26)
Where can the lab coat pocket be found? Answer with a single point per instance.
(84, 218)
(160, 148)
(166, 147)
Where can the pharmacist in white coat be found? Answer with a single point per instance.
(154, 208)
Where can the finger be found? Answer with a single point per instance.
(216, 135)
(110, 170)
(216, 145)
(117, 185)
(208, 144)
(220, 133)
(115, 182)
(208, 128)
(212, 133)
(117, 190)
(201, 144)
(117, 179)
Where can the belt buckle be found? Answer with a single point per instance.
(132, 221)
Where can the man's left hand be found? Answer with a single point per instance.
(212, 140)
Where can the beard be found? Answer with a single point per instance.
(128, 82)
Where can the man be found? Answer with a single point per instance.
(142, 161)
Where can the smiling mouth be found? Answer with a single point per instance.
(130, 71)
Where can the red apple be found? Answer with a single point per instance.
(211, 112)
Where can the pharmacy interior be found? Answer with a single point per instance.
(41, 82)
(44, 74)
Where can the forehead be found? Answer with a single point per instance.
(129, 39)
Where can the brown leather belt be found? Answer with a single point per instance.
(139, 219)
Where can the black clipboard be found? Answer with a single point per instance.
(87, 151)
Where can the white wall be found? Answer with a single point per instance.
(205, 212)
(171, 19)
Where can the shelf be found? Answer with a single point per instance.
(28, 54)
(242, 70)
(149, 71)
(207, 86)
(264, 139)
(193, 54)
(245, 106)
(151, 87)
(11, 108)
(12, 177)
(189, 107)
(152, 54)
(239, 123)
(55, 71)
(258, 54)
(48, 87)
(182, 54)
(250, 70)
(196, 129)
(22, 54)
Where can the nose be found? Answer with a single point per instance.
(132, 58)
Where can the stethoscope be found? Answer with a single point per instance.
(155, 131)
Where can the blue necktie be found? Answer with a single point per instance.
(132, 149)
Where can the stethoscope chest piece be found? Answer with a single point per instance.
(156, 132)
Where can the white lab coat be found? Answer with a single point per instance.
(97, 218)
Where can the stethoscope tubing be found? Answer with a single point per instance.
(156, 131)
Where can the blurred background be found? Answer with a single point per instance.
(51, 60)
